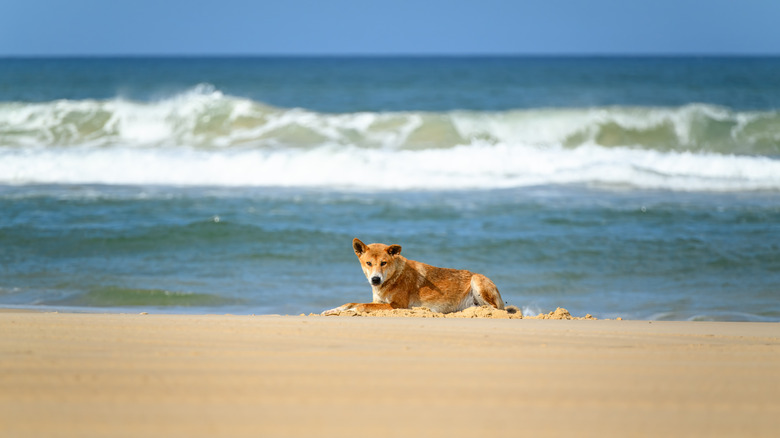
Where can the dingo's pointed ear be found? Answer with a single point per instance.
(394, 250)
(358, 246)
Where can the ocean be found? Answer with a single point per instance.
(641, 188)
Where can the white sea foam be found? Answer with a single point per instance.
(474, 166)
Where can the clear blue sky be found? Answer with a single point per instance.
(294, 27)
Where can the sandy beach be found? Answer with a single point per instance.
(100, 375)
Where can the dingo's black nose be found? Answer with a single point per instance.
(376, 280)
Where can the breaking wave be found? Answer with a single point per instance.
(204, 137)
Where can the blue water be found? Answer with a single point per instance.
(633, 187)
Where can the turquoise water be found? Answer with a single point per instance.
(632, 187)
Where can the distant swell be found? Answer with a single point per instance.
(203, 137)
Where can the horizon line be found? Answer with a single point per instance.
(400, 55)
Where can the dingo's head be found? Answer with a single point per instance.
(379, 262)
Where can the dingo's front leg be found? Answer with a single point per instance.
(358, 308)
(339, 309)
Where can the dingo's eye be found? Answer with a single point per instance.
(383, 263)
(368, 263)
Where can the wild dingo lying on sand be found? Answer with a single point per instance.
(399, 283)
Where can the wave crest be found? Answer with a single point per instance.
(206, 118)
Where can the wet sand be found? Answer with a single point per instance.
(99, 375)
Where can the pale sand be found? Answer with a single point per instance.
(108, 375)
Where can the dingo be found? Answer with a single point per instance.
(399, 283)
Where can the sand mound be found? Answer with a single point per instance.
(560, 313)
(510, 312)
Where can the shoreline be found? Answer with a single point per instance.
(99, 374)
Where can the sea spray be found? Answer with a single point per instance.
(206, 118)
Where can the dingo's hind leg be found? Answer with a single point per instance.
(485, 292)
